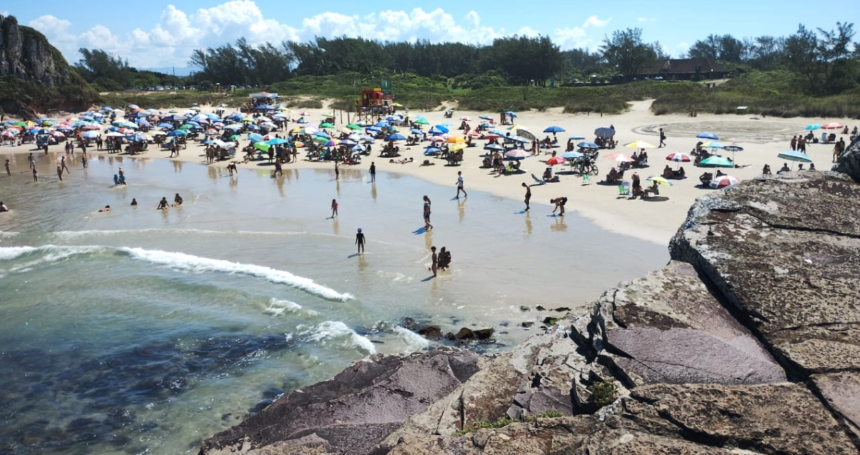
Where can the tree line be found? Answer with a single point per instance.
(826, 60)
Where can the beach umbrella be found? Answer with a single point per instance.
(660, 181)
(813, 127)
(724, 181)
(332, 143)
(395, 137)
(373, 129)
(320, 139)
(164, 125)
(554, 129)
(455, 140)
(712, 145)
(416, 131)
(358, 148)
(456, 147)
(58, 135)
(577, 138)
(792, 155)
(707, 135)
(177, 133)
(832, 126)
(382, 124)
(262, 146)
(277, 141)
(716, 161)
(555, 160)
(421, 121)
(7, 134)
(430, 151)
(465, 118)
(133, 106)
(321, 134)
(619, 157)
(347, 142)
(326, 125)
(90, 135)
(604, 132)
(511, 114)
(571, 155)
(115, 134)
(520, 139)
(492, 136)
(442, 128)
(486, 117)
(524, 133)
(639, 145)
(518, 154)
(494, 147)
(588, 145)
(679, 157)
(353, 126)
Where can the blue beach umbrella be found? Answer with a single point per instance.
(707, 135)
(577, 137)
(554, 129)
(277, 141)
(177, 133)
(511, 114)
(430, 151)
(254, 137)
(812, 127)
(396, 137)
(588, 145)
(485, 117)
(416, 131)
(792, 155)
(571, 155)
(494, 147)
(358, 148)
(165, 125)
(442, 128)
(90, 135)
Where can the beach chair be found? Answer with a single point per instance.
(624, 189)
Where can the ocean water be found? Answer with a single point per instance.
(140, 331)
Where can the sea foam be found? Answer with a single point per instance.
(193, 263)
(334, 330)
(414, 342)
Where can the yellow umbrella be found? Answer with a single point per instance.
(639, 145)
(456, 147)
(660, 181)
(455, 140)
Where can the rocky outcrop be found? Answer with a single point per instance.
(355, 410)
(34, 74)
(849, 160)
(747, 342)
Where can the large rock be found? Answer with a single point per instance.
(669, 328)
(842, 392)
(784, 252)
(665, 419)
(849, 160)
(354, 411)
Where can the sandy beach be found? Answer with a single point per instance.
(654, 220)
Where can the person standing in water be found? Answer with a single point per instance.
(177, 200)
(460, 185)
(84, 160)
(35, 174)
(63, 164)
(32, 160)
(334, 208)
(336, 171)
(528, 194)
(163, 205)
(559, 204)
(427, 225)
(133, 202)
(8, 171)
(435, 259)
(359, 240)
(60, 172)
(373, 172)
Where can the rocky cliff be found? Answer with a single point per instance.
(34, 76)
(747, 342)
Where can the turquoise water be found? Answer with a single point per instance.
(141, 331)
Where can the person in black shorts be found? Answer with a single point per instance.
(373, 172)
(559, 205)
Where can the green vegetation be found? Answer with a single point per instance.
(501, 423)
(549, 415)
(603, 393)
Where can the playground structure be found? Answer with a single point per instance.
(372, 102)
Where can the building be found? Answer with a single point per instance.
(685, 69)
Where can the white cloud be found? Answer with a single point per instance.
(595, 21)
(169, 42)
(646, 19)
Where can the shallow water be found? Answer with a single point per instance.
(145, 331)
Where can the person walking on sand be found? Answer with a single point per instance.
(427, 225)
(359, 241)
(373, 172)
(559, 204)
(793, 143)
(435, 263)
(460, 185)
(333, 208)
(528, 194)
(662, 138)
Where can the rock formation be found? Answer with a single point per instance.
(849, 160)
(747, 342)
(34, 74)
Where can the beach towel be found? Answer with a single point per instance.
(539, 181)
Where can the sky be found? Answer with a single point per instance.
(163, 34)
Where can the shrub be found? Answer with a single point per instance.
(602, 393)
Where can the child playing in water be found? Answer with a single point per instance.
(359, 240)
(334, 208)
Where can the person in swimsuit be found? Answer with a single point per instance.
(105, 210)
(8, 171)
(163, 205)
(3, 207)
(177, 201)
(435, 261)
(528, 194)
(359, 240)
(460, 185)
(427, 203)
(334, 208)
(559, 204)
(133, 202)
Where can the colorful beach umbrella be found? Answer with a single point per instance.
(660, 181)
(639, 145)
(679, 157)
(456, 147)
(724, 181)
(813, 127)
(555, 160)
(716, 161)
(619, 158)
(517, 154)
(832, 126)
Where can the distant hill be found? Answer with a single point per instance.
(34, 76)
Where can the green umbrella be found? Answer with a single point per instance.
(326, 125)
(320, 139)
(20, 124)
(716, 161)
(185, 127)
(353, 126)
(262, 146)
(421, 121)
(234, 137)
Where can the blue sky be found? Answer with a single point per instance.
(162, 34)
